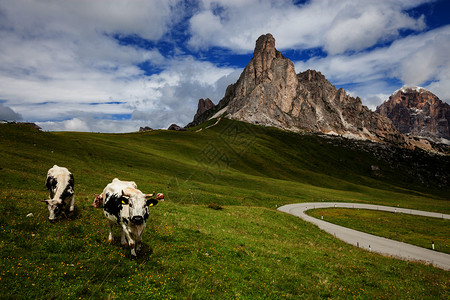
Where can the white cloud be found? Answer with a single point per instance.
(58, 58)
(156, 101)
(64, 50)
(47, 18)
(178, 89)
(90, 124)
(75, 125)
(441, 87)
(430, 60)
(415, 60)
(336, 26)
(357, 27)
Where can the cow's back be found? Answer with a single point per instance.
(116, 187)
(60, 178)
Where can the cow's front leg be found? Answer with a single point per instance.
(110, 237)
(133, 253)
(123, 239)
(72, 203)
(138, 243)
(126, 236)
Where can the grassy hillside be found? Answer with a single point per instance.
(247, 250)
(231, 163)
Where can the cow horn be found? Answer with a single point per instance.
(127, 192)
(149, 195)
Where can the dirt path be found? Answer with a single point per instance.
(369, 241)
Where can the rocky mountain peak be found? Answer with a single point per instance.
(270, 93)
(203, 105)
(418, 112)
(265, 86)
(311, 75)
(265, 43)
(264, 54)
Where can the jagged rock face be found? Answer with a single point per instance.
(329, 110)
(270, 93)
(176, 128)
(146, 128)
(203, 105)
(418, 112)
(266, 87)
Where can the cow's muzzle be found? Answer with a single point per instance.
(138, 220)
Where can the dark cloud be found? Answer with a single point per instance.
(7, 114)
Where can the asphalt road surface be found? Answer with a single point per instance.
(369, 241)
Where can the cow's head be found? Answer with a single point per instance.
(138, 204)
(98, 201)
(55, 207)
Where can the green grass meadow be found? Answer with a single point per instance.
(246, 250)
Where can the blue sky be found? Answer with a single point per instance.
(113, 66)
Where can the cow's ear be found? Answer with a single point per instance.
(98, 196)
(151, 202)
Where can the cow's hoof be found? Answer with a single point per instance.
(133, 257)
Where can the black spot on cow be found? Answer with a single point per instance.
(59, 208)
(113, 204)
(68, 191)
(146, 215)
(51, 183)
(125, 220)
(71, 180)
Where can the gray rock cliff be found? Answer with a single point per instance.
(270, 93)
(418, 112)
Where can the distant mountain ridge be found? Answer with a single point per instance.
(418, 112)
(270, 93)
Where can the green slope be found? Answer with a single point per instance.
(231, 163)
(247, 250)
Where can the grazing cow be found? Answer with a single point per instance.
(127, 206)
(60, 185)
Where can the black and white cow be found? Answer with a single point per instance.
(60, 185)
(127, 206)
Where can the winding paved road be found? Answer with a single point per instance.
(369, 241)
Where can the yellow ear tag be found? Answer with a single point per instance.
(151, 204)
(123, 202)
